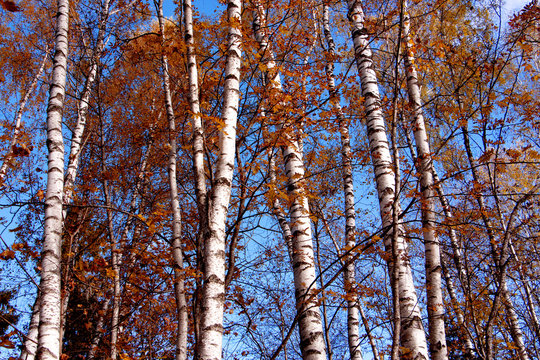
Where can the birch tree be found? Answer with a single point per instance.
(348, 189)
(197, 148)
(413, 338)
(210, 342)
(424, 164)
(179, 287)
(50, 308)
(18, 119)
(309, 319)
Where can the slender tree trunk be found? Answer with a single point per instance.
(18, 117)
(198, 156)
(462, 272)
(368, 333)
(413, 338)
(51, 290)
(360, 309)
(198, 131)
(82, 109)
(179, 287)
(457, 257)
(278, 209)
(312, 343)
(98, 332)
(210, 343)
(435, 304)
(116, 254)
(348, 189)
(396, 210)
(499, 257)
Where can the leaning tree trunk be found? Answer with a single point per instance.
(77, 139)
(18, 117)
(210, 342)
(348, 189)
(82, 108)
(51, 290)
(457, 257)
(499, 259)
(310, 325)
(424, 163)
(413, 338)
(179, 287)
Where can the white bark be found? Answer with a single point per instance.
(457, 257)
(310, 325)
(179, 287)
(278, 209)
(435, 304)
(50, 309)
(348, 189)
(18, 117)
(413, 338)
(210, 343)
(82, 109)
(198, 132)
(198, 154)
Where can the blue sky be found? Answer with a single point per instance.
(208, 6)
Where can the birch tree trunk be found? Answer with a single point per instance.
(116, 252)
(18, 117)
(413, 338)
(348, 189)
(210, 343)
(424, 164)
(198, 132)
(457, 258)
(310, 325)
(179, 287)
(278, 209)
(198, 154)
(82, 109)
(50, 308)
(77, 141)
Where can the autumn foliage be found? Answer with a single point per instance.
(477, 71)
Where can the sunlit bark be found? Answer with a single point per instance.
(413, 339)
(210, 342)
(50, 309)
(77, 141)
(18, 117)
(310, 326)
(348, 190)
(424, 163)
(198, 153)
(179, 287)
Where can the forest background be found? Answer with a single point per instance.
(310, 132)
